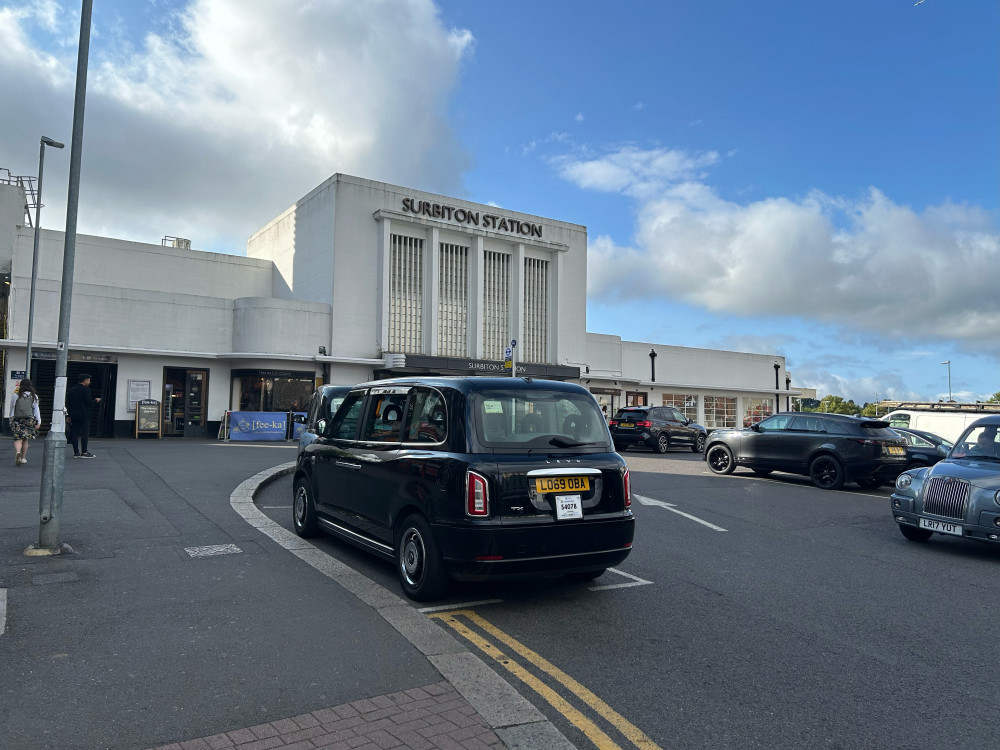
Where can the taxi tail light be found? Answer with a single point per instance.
(477, 495)
(628, 489)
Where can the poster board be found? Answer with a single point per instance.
(148, 418)
(138, 390)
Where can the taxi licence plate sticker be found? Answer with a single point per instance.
(562, 484)
(942, 527)
(568, 507)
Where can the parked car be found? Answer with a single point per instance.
(322, 405)
(830, 449)
(948, 423)
(656, 427)
(468, 478)
(923, 448)
(957, 496)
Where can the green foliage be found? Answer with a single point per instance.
(836, 405)
(994, 399)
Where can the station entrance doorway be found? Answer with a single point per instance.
(185, 402)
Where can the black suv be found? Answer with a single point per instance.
(656, 427)
(467, 478)
(830, 449)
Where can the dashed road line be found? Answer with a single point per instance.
(636, 581)
(3, 610)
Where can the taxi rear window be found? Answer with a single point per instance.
(539, 418)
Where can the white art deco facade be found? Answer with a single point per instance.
(357, 280)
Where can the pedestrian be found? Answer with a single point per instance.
(25, 419)
(79, 402)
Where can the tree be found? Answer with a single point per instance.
(994, 399)
(837, 405)
(870, 410)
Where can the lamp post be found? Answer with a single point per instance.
(652, 365)
(777, 388)
(46, 141)
(948, 362)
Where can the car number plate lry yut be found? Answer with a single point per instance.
(562, 484)
(942, 527)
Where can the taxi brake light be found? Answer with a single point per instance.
(477, 495)
(628, 489)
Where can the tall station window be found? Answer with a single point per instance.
(453, 300)
(756, 409)
(536, 310)
(686, 404)
(406, 294)
(720, 412)
(496, 304)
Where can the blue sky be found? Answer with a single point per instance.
(816, 180)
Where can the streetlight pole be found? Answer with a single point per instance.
(50, 494)
(948, 362)
(46, 141)
(777, 388)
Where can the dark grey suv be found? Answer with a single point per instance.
(656, 427)
(830, 449)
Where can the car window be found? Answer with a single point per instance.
(777, 422)
(630, 415)
(879, 432)
(311, 414)
(676, 415)
(660, 414)
(428, 422)
(807, 424)
(345, 420)
(917, 441)
(384, 418)
(518, 418)
(978, 442)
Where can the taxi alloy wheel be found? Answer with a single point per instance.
(303, 510)
(418, 562)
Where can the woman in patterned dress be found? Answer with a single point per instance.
(24, 427)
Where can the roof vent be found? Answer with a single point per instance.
(178, 242)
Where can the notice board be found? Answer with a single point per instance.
(148, 418)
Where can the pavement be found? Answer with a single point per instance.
(180, 616)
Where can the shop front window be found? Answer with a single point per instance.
(686, 403)
(268, 393)
(756, 409)
(720, 412)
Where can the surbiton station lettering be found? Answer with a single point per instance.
(471, 218)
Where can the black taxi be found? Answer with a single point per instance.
(468, 478)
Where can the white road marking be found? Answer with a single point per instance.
(275, 507)
(636, 581)
(460, 605)
(673, 509)
(3, 610)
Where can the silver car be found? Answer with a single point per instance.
(959, 495)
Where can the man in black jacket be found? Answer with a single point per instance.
(78, 405)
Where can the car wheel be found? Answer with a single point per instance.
(585, 576)
(720, 459)
(827, 473)
(304, 510)
(699, 444)
(869, 483)
(914, 534)
(621, 447)
(762, 472)
(662, 443)
(418, 562)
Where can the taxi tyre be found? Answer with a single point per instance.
(304, 510)
(720, 459)
(826, 472)
(915, 534)
(698, 446)
(418, 561)
(662, 443)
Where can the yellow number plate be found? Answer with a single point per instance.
(562, 484)
(895, 450)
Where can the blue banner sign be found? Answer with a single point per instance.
(258, 425)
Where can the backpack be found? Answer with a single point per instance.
(25, 405)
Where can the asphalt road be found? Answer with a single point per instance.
(753, 613)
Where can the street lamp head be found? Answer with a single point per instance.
(946, 362)
(49, 142)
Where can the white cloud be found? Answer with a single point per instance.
(218, 122)
(865, 263)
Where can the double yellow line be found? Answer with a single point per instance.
(457, 620)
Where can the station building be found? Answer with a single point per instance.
(357, 280)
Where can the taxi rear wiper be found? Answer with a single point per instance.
(560, 443)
